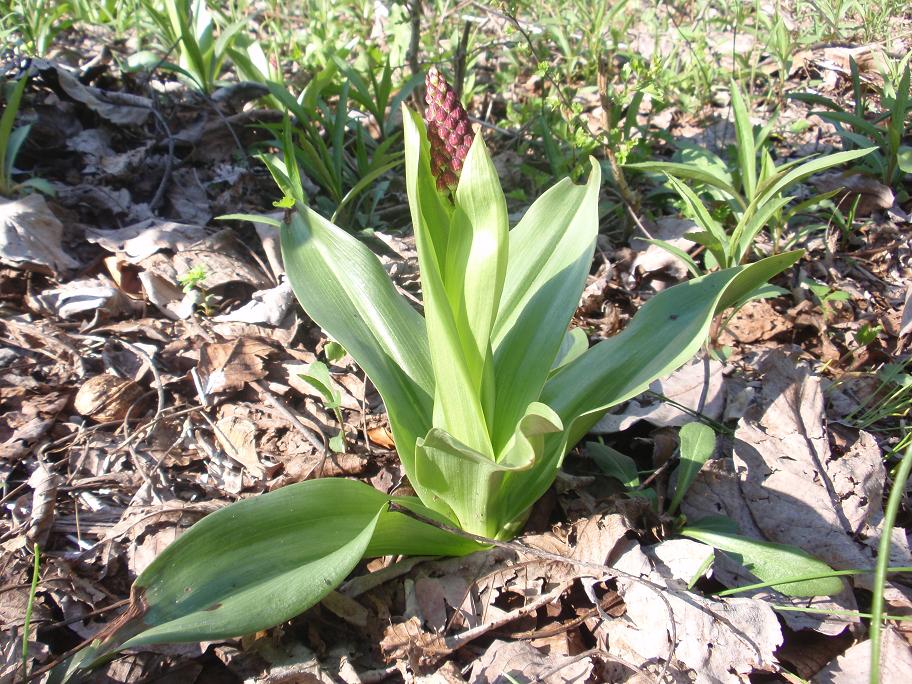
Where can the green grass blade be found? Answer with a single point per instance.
(883, 559)
(689, 172)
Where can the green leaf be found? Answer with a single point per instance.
(742, 237)
(343, 287)
(744, 133)
(690, 172)
(458, 367)
(253, 218)
(263, 560)
(614, 464)
(680, 253)
(698, 442)
(769, 562)
(782, 180)
(621, 367)
(904, 158)
(550, 253)
(477, 256)
(477, 489)
(318, 377)
(698, 212)
(573, 345)
(7, 119)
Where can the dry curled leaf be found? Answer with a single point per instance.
(30, 236)
(106, 397)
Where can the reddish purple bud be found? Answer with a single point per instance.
(449, 130)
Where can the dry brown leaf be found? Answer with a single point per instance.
(44, 484)
(906, 322)
(685, 387)
(266, 307)
(269, 236)
(30, 236)
(785, 486)
(222, 261)
(140, 240)
(874, 195)
(522, 662)
(118, 108)
(106, 397)
(854, 665)
(238, 438)
(810, 498)
(226, 366)
(382, 436)
(346, 608)
(84, 297)
(719, 641)
(756, 321)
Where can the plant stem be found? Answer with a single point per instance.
(26, 628)
(883, 560)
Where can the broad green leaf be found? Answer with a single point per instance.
(614, 464)
(904, 159)
(458, 368)
(798, 173)
(550, 254)
(698, 442)
(477, 257)
(769, 562)
(343, 287)
(573, 345)
(264, 560)
(621, 367)
(698, 212)
(476, 488)
(679, 170)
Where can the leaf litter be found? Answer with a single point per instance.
(105, 481)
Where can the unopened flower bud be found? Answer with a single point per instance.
(449, 130)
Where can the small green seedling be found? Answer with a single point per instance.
(192, 279)
(825, 295)
(318, 377)
(697, 444)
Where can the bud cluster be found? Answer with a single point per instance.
(448, 128)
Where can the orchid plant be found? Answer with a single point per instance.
(485, 393)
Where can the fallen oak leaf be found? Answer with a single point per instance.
(226, 366)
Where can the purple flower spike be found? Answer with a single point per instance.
(449, 131)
